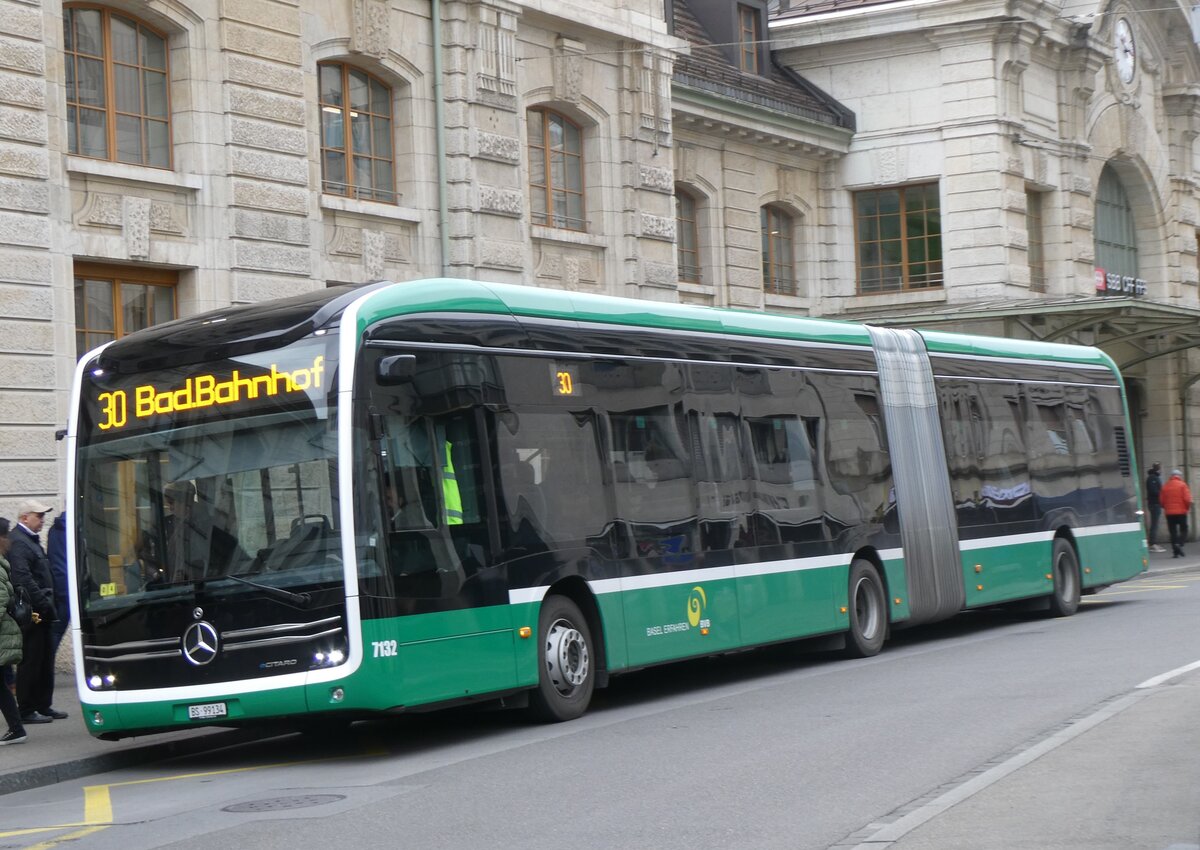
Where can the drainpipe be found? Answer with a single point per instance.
(439, 122)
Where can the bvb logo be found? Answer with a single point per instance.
(697, 602)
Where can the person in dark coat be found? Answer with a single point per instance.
(11, 647)
(31, 570)
(56, 550)
(1154, 485)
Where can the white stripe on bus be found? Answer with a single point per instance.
(525, 595)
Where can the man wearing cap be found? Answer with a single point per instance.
(1176, 499)
(31, 570)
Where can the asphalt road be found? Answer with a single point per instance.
(993, 730)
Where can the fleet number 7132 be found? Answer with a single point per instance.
(384, 648)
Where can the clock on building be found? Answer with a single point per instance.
(1125, 50)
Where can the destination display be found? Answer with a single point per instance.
(283, 379)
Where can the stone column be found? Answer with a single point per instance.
(270, 193)
(29, 408)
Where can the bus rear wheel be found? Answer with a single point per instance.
(566, 662)
(868, 611)
(1064, 600)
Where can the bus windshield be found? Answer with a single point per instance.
(199, 496)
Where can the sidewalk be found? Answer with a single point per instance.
(64, 750)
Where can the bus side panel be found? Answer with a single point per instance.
(1006, 569)
(612, 618)
(896, 576)
(1003, 569)
(792, 604)
(694, 617)
(1111, 557)
(431, 657)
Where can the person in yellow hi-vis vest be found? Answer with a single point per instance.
(450, 493)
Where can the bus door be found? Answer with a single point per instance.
(453, 637)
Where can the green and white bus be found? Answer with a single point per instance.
(401, 496)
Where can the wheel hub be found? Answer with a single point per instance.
(567, 659)
(866, 608)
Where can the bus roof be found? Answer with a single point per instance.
(269, 324)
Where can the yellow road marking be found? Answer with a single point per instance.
(97, 805)
(1148, 589)
(71, 836)
(30, 830)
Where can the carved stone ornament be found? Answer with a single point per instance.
(510, 202)
(568, 71)
(494, 254)
(657, 179)
(101, 209)
(375, 248)
(373, 242)
(136, 218)
(370, 34)
(658, 227)
(568, 269)
(346, 242)
(498, 148)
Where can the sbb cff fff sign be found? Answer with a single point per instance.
(1115, 283)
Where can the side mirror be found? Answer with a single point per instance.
(396, 368)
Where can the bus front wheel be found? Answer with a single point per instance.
(867, 610)
(566, 662)
(1064, 600)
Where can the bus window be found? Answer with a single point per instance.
(552, 489)
(653, 487)
(857, 468)
(786, 499)
(961, 417)
(721, 482)
(1052, 469)
(433, 502)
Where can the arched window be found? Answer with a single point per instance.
(555, 170)
(1116, 235)
(118, 106)
(687, 236)
(356, 134)
(778, 254)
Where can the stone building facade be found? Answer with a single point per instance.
(159, 158)
(1061, 139)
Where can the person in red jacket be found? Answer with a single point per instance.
(1175, 499)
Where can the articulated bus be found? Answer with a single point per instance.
(402, 496)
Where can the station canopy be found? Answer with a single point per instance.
(1130, 330)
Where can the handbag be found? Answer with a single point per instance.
(20, 608)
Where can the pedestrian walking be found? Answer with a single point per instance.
(11, 646)
(1176, 499)
(31, 570)
(1154, 485)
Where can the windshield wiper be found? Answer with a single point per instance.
(301, 600)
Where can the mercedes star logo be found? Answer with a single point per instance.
(200, 643)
